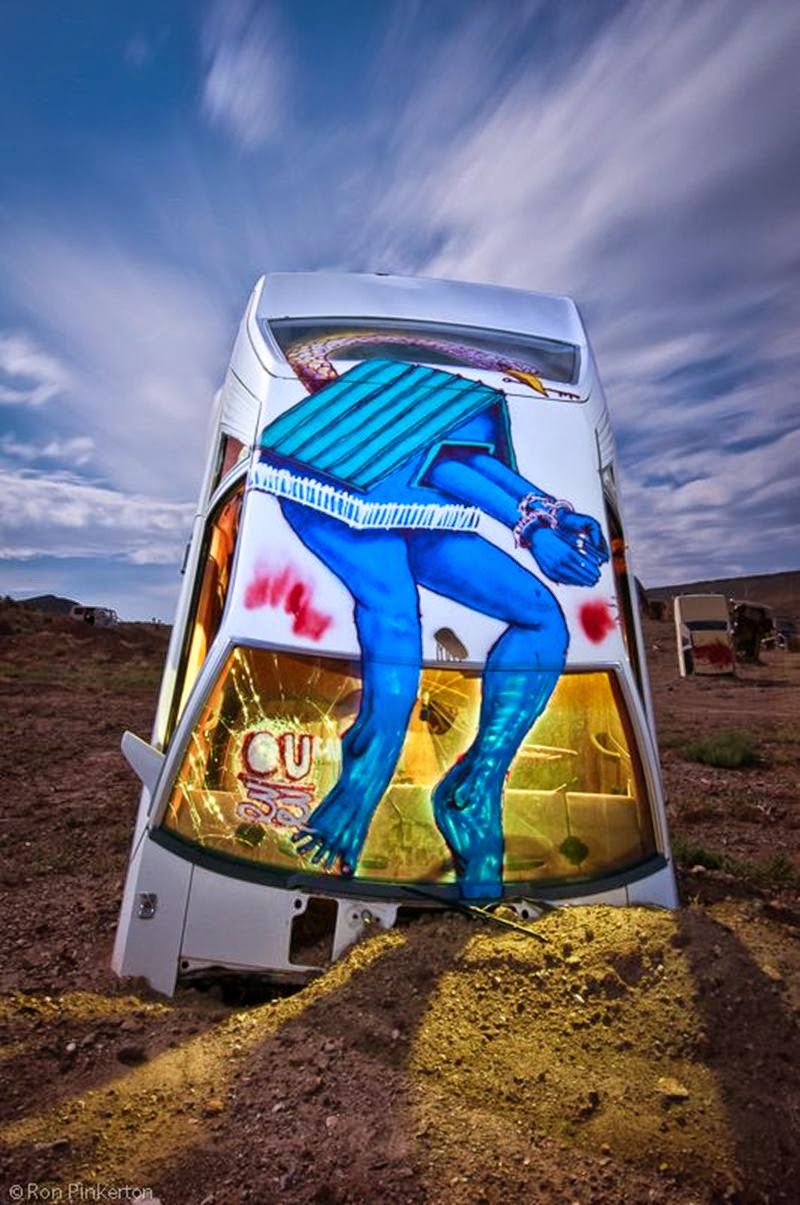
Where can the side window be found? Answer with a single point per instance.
(622, 585)
(211, 591)
(230, 451)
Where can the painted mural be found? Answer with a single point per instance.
(385, 471)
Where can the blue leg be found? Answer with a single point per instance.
(373, 565)
(521, 672)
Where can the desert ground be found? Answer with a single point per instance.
(631, 1056)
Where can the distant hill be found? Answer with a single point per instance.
(780, 591)
(48, 602)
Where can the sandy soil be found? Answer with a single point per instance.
(630, 1056)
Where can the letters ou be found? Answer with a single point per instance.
(264, 754)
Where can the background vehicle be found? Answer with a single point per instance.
(101, 617)
(704, 634)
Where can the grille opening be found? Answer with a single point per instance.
(311, 942)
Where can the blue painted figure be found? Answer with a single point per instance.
(391, 502)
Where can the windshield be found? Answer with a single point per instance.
(267, 748)
(314, 345)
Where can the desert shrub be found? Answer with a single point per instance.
(729, 750)
(777, 871)
(688, 854)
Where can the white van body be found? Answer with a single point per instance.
(407, 546)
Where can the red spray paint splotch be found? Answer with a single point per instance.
(596, 619)
(285, 587)
(716, 653)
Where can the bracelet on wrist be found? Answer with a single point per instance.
(535, 511)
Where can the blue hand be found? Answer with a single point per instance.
(559, 558)
(584, 533)
(571, 554)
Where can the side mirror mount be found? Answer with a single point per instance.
(143, 759)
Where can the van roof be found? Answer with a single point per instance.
(363, 295)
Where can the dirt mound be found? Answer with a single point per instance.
(634, 1053)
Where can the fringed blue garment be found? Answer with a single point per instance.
(360, 428)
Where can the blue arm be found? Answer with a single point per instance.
(572, 554)
(483, 481)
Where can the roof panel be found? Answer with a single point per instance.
(335, 294)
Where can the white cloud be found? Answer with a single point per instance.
(60, 515)
(244, 83)
(649, 172)
(731, 513)
(76, 450)
(151, 344)
(28, 375)
(653, 133)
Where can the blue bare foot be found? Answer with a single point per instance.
(335, 830)
(467, 809)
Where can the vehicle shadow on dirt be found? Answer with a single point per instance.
(336, 1128)
(752, 1048)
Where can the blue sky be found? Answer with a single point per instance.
(157, 157)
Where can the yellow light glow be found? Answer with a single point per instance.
(574, 803)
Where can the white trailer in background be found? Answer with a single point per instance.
(704, 634)
(406, 669)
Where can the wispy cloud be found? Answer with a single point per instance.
(60, 515)
(675, 525)
(28, 374)
(76, 450)
(138, 51)
(150, 342)
(648, 172)
(244, 83)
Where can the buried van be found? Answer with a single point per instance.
(406, 669)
